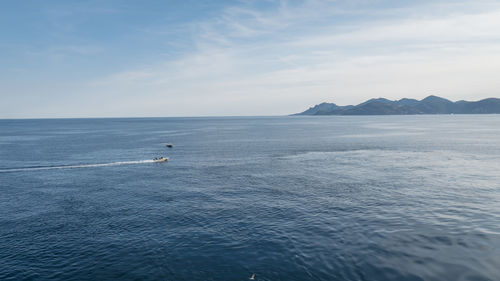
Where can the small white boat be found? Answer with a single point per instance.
(170, 144)
(160, 159)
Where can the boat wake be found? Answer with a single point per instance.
(39, 168)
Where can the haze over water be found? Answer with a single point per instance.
(286, 198)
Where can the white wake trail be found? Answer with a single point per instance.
(25, 169)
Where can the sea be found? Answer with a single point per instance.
(251, 198)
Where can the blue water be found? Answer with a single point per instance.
(286, 198)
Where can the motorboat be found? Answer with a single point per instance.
(160, 159)
(170, 145)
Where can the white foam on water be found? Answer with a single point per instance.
(75, 166)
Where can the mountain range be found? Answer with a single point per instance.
(405, 106)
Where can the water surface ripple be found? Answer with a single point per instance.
(286, 198)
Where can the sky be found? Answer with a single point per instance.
(149, 58)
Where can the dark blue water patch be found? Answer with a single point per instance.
(286, 198)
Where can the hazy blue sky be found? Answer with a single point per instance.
(189, 58)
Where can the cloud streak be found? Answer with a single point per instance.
(249, 60)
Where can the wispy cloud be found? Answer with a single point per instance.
(269, 57)
(281, 57)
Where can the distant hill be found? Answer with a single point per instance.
(429, 105)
